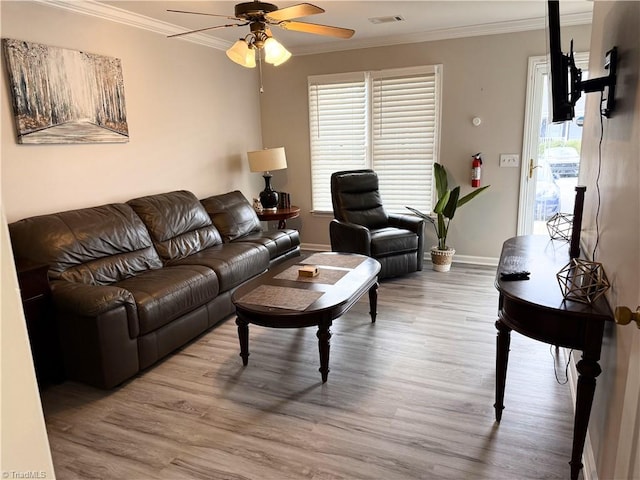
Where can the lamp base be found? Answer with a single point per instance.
(268, 197)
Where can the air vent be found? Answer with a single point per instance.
(389, 19)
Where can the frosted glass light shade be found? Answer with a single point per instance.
(274, 52)
(267, 160)
(242, 54)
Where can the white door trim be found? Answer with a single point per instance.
(533, 110)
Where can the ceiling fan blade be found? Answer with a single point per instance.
(338, 32)
(205, 29)
(295, 11)
(207, 14)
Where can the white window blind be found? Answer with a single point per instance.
(338, 131)
(385, 120)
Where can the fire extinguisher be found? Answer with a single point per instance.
(476, 170)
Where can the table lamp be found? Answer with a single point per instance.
(266, 161)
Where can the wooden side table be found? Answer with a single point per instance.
(281, 215)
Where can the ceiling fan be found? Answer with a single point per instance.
(260, 16)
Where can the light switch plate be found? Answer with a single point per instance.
(509, 160)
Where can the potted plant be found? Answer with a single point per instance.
(447, 203)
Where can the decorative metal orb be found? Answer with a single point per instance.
(582, 281)
(560, 226)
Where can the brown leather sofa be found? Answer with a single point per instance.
(131, 282)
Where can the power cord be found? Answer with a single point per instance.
(566, 367)
(595, 246)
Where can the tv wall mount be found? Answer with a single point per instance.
(605, 84)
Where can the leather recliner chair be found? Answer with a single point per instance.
(361, 225)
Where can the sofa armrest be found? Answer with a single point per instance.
(407, 222)
(349, 238)
(98, 331)
(93, 300)
(414, 224)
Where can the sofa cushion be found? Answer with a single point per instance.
(165, 294)
(233, 262)
(97, 246)
(232, 214)
(178, 223)
(392, 241)
(277, 242)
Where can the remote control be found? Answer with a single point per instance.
(521, 275)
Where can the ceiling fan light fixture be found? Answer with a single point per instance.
(250, 59)
(260, 16)
(242, 54)
(274, 52)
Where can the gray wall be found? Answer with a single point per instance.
(612, 426)
(483, 76)
(192, 117)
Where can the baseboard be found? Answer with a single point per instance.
(316, 247)
(489, 261)
(589, 470)
(470, 259)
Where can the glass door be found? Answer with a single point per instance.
(551, 154)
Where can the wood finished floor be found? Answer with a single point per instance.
(409, 397)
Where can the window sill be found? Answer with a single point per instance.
(321, 213)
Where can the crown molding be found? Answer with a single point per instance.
(448, 33)
(125, 17)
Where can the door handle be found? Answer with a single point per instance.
(624, 316)
(532, 168)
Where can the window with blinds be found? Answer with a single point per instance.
(385, 120)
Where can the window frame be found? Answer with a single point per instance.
(369, 77)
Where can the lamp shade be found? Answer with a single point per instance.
(267, 160)
(241, 53)
(275, 53)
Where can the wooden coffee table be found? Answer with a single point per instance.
(280, 298)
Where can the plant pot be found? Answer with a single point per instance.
(441, 259)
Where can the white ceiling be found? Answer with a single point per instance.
(423, 19)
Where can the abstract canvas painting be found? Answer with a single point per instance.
(65, 96)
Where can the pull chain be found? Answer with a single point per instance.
(260, 69)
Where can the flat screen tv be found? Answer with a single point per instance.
(566, 79)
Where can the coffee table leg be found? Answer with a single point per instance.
(324, 335)
(373, 302)
(243, 336)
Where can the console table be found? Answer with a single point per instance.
(280, 214)
(537, 309)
